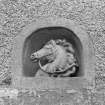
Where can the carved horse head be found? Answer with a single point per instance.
(48, 50)
(60, 54)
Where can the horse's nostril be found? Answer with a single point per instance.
(32, 56)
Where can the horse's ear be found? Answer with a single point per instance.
(64, 41)
(53, 42)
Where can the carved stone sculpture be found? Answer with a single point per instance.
(60, 58)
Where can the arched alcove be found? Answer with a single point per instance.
(38, 38)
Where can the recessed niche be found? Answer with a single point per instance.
(34, 36)
(37, 39)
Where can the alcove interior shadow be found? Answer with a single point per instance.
(39, 37)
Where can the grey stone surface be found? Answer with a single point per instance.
(89, 14)
(88, 52)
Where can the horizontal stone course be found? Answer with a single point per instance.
(16, 14)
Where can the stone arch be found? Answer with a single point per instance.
(39, 37)
(88, 56)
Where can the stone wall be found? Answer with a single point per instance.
(89, 14)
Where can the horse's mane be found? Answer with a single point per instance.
(67, 45)
(64, 60)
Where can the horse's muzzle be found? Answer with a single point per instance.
(33, 58)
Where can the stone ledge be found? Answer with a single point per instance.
(50, 83)
(8, 92)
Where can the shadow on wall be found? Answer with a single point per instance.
(39, 37)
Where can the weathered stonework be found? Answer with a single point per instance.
(88, 51)
(89, 15)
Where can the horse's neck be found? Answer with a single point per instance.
(60, 56)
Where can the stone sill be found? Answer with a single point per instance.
(50, 83)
